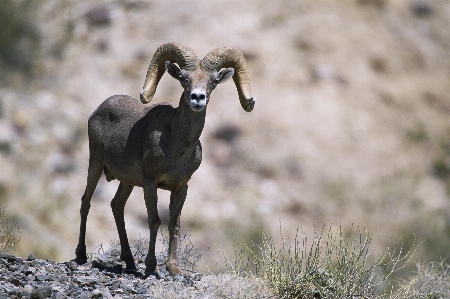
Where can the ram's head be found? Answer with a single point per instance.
(199, 77)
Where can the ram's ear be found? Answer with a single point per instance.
(173, 70)
(225, 75)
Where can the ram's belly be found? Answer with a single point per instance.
(128, 172)
(171, 181)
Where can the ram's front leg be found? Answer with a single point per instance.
(176, 204)
(151, 202)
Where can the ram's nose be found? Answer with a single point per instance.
(198, 95)
(198, 99)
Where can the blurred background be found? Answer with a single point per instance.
(351, 126)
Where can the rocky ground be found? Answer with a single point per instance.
(37, 278)
(34, 278)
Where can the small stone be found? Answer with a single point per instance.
(96, 292)
(31, 257)
(13, 267)
(30, 270)
(84, 295)
(15, 293)
(16, 282)
(44, 277)
(115, 286)
(197, 276)
(106, 293)
(85, 267)
(11, 259)
(160, 275)
(59, 295)
(72, 265)
(141, 290)
(5, 256)
(87, 280)
(40, 293)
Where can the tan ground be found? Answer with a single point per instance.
(351, 121)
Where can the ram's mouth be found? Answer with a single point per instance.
(197, 106)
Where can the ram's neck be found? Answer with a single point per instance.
(187, 125)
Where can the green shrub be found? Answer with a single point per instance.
(441, 168)
(19, 37)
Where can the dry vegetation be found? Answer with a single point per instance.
(9, 232)
(351, 125)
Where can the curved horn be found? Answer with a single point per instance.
(228, 57)
(173, 52)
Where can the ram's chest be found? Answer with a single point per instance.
(171, 163)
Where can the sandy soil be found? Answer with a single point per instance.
(351, 126)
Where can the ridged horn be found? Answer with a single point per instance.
(174, 52)
(229, 57)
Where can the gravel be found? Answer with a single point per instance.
(36, 278)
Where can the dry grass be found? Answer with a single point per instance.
(330, 265)
(431, 281)
(224, 286)
(9, 232)
(188, 255)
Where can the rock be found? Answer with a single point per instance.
(227, 133)
(45, 277)
(421, 9)
(72, 265)
(44, 292)
(59, 295)
(16, 282)
(29, 270)
(87, 280)
(31, 257)
(5, 256)
(99, 16)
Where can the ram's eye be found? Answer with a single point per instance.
(185, 82)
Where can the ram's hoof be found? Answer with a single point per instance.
(157, 274)
(131, 267)
(80, 260)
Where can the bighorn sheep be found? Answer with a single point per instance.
(157, 146)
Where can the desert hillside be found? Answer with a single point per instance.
(351, 126)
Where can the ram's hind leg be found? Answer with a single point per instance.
(94, 172)
(118, 207)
